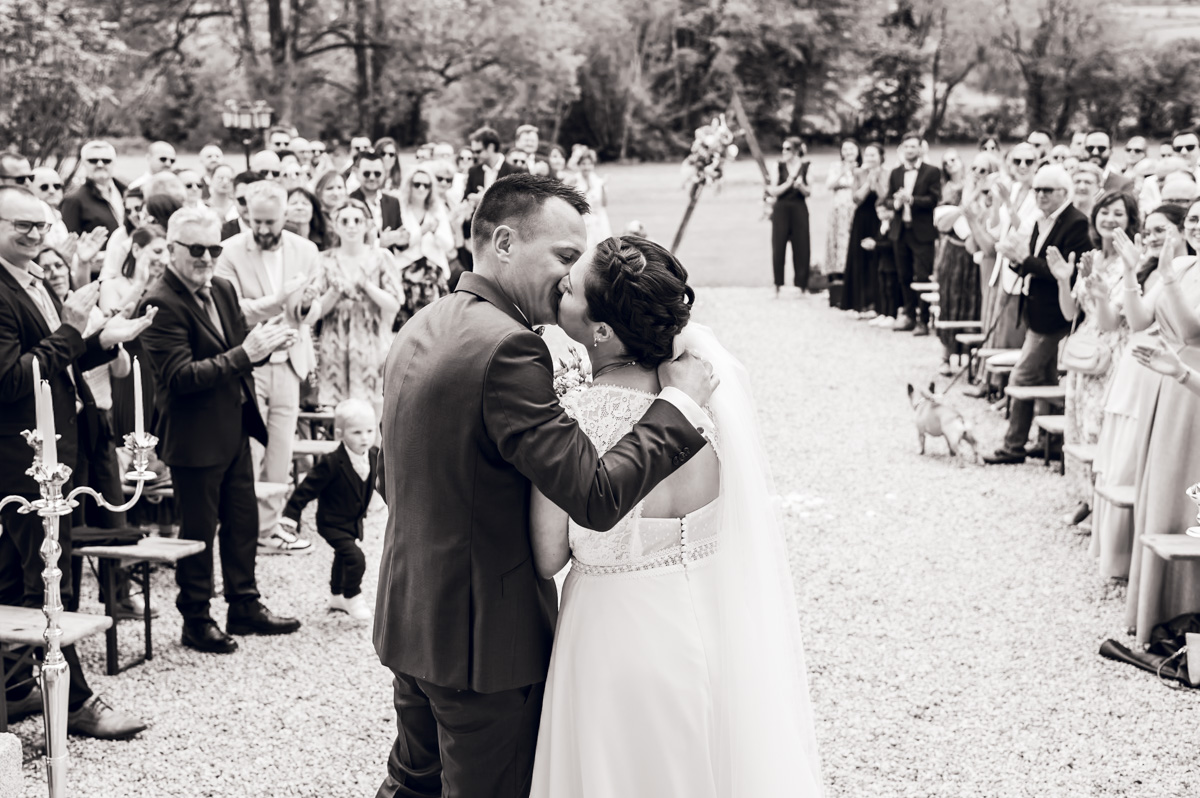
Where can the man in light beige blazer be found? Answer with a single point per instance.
(271, 268)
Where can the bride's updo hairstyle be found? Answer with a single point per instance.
(640, 290)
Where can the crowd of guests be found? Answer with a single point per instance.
(241, 298)
(1080, 259)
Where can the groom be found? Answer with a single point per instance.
(471, 421)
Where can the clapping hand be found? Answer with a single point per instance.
(121, 329)
(268, 337)
(1060, 268)
(77, 307)
(1171, 249)
(297, 282)
(1130, 250)
(90, 244)
(394, 238)
(69, 246)
(1160, 357)
(1011, 248)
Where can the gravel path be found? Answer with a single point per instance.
(951, 623)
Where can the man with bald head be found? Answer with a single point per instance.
(48, 187)
(1047, 258)
(270, 268)
(267, 164)
(36, 326)
(99, 202)
(14, 170)
(203, 357)
(160, 157)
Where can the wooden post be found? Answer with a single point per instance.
(697, 188)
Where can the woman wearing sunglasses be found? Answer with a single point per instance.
(425, 265)
(389, 152)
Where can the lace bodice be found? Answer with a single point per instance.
(607, 413)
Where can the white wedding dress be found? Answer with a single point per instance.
(656, 683)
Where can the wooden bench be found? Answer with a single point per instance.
(302, 449)
(23, 627)
(1050, 427)
(138, 557)
(923, 287)
(1082, 453)
(1119, 496)
(317, 421)
(971, 342)
(1157, 551)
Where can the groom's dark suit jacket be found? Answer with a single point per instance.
(470, 419)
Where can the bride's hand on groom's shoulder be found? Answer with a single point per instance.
(690, 374)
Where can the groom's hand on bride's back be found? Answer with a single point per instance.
(690, 374)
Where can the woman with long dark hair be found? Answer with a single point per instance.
(840, 183)
(389, 153)
(862, 263)
(305, 217)
(789, 217)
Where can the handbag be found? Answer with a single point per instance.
(1084, 353)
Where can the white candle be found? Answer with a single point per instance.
(138, 420)
(37, 379)
(49, 444)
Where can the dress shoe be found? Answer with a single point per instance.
(1002, 457)
(920, 330)
(97, 719)
(252, 618)
(1076, 516)
(976, 391)
(29, 705)
(207, 636)
(904, 324)
(1038, 452)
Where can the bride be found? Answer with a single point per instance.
(678, 668)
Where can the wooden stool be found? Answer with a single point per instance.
(23, 627)
(319, 421)
(302, 449)
(1051, 394)
(971, 342)
(1082, 453)
(1050, 427)
(139, 556)
(1157, 551)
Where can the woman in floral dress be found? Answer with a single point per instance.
(841, 215)
(360, 291)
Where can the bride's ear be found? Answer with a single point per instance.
(601, 334)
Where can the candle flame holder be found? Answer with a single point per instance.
(51, 507)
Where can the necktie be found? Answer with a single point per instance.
(206, 301)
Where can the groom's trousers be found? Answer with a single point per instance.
(462, 744)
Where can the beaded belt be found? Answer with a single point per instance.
(677, 555)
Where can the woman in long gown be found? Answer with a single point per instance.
(954, 266)
(861, 267)
(592, 186)
(840, 183)
(677, 667)
(1116, 457)
(1168, 434)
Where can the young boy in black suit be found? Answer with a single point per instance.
(342, 483)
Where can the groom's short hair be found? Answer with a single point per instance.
(512, 200)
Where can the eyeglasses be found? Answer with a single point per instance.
(980, 170)
(1058, 158)
(422, 185)
(165, 159)
(1045, 189)
(241, 201)
(198, 250)
(1024, 161)
(25, 228)
(518, 161)
(20, 180)
(1096, 149)
(787, 147)
(319, 150)
(1184, 147)
(352, 221)
(48, 186)
(359, 148)
(445, 179)
(192, 185)
(100, 161)
(372, 173)
(1138, 150)
(1192, 220)
(389, 153)
(272, 172)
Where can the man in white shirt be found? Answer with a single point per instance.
(160, 157)
(270, 267)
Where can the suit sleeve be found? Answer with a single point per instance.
(170, 351)
(310, 487)
(933, 195)
(533, 432)
(255, 310)
(1075, 240)
(72, 214)
(55, 353)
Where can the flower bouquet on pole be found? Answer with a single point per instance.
(705, 165)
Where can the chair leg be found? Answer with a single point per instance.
(108, 572)
(144, 567)
(1046, 447)
(1149, 593)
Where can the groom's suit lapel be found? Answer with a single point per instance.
(485, 289)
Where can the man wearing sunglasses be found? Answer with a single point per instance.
(35, 324)
(203, 357)
(1186, 145)
(1135, 153)
(48, 187)
(1047, 259)
(98, 202)
(14, 170)
(1098, 147)
(241, 222)
(385, 209)
(268, 164)
(160, 157)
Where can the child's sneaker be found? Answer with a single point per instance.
(355, 607)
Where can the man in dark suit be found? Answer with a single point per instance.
(914, 189)
(1047, 261)
(490, 164)
(1098, 146)
(35, 325)
(96, 203)
(384, 208)
(203, 360)
(241, 187)
(470, 422)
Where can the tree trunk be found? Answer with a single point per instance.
(800, 97)
(362, 67)
(246, 36)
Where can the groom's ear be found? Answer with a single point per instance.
(502, 240)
